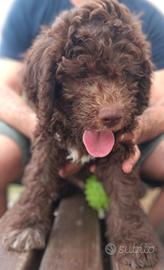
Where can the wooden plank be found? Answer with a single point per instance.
(75, 238)
(10, 260)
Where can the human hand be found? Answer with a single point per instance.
(32, 123)
(135, 137)
(69, 169)
(128, 164)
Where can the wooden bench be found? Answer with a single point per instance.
(75, 243)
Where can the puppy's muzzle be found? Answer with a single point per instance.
(110, 116)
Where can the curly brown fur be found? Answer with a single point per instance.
(92, 57)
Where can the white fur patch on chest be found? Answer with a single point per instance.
(74, 157)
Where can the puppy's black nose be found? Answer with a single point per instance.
(110, 115)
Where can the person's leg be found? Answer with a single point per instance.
(10, 167)
(14, 155)
(153, 169)
(156, 214)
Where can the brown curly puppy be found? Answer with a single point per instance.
(89, 78)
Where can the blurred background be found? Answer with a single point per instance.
(5, 5)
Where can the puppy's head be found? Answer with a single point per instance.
(92, 69)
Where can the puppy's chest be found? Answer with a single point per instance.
(75, 156)
(73, 153)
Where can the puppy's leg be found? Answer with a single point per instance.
(32, 213)
(128, 226)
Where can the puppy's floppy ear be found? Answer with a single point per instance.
(41, 65)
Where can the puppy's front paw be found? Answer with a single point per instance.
(24, 240)
(138, 255)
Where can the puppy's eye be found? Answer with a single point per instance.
(77, 41)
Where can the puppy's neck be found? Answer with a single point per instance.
(74, 154)
(75, 157)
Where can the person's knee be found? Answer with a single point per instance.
(153, 167)
(10, 161)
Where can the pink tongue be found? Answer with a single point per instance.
(98, 144)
